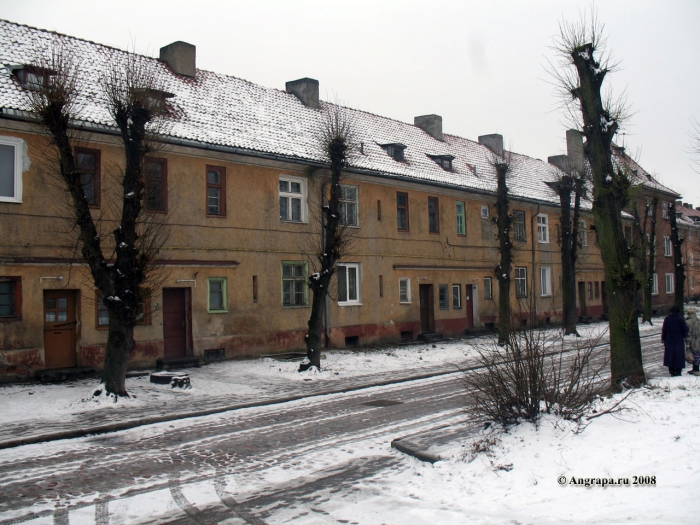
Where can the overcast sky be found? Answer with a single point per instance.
(481, 65)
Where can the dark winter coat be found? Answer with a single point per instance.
(673, 335)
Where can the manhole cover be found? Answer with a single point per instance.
(382, 403)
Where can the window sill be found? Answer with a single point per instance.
(11, 199)
(294, 306)
(285, 221)
(406, 303)
(217, 311)
(350, 304)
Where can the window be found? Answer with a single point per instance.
(88, 163)
(292, 199)
(583, 233)
(543, 228)
(216, 191)
(664, 210)
(381, 286)
(444, 301)
(10, 298)
(102, 314)
(545, 281)
(691, 259)
(597, 290)
(255, 288)
(669, 283)
(294, 288)
(589, 290)
(433, 215)
(156, 185)
(349, 283)
(444, 161)
(217, 300)
(648, 206)
(519, 231)
(485, 211)
(379, 210)
(520, 281)
(349, 196)
(405, 290)
(33, 78)
(11, 169)
(655, 284)
(488, 288)
(667, 246)
(395, 151)
(461, 219)
(456, 296)
(402, 211)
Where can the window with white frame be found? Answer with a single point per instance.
(655, 284)
(292, 194)
(217, 295)
(545, 281)
(349, 205)
(294, 287)
(542, 228)
(11, 169)
(669, 283)
(519, 230)
(442, 295)
(667, 246)
(456, 296)
(488, 288)
(405, 290)
(520, 281)
(664, 210)
(349, 275)
(583, 232)
(485, 211)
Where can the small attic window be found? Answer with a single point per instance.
(156, 99)
(395, 151)
(444, 161)
(32, 77)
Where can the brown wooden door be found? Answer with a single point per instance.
(427, 308)
(175, 324)
(59, 328)
(470, 306)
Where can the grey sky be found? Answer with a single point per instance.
(481, 65)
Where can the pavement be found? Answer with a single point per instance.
(255, 391)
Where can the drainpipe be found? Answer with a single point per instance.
(534, 261)
(327, 312)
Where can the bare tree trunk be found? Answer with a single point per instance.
(645, 252)
(569, 247)
(505, 247)
(678, 266)
(651, 261)
(120, 344)
(610, 197)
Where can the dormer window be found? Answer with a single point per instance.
(444, 161)
(32, 77)
(395, 151)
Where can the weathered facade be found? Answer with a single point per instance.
(240, 178)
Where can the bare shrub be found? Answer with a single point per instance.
(535, 371)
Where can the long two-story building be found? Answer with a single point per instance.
(238, 184)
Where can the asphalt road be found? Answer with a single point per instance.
(247, 466)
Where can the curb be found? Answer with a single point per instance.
(126, 425)
(407, 449)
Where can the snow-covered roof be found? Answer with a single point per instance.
(214, 110)
(643, 177)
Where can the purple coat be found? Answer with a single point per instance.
(673, 335)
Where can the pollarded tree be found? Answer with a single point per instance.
(646, 250)
(583, 70)
(504, 269)
(120, 266)
(336, 143)
(678, 266)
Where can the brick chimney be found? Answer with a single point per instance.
(493, 142)
(306, 90)
(181, 57)
(431, 124)
(574, 149)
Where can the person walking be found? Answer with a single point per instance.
(673, 334)
(694, 340)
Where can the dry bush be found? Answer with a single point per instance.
(536, 371)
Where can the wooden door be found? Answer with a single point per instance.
(470, 306)
(59, 328)
(427, 308)
(175, 322)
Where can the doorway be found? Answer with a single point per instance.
(59, 329)
(470, 305)
(427, 308)
(176, 324)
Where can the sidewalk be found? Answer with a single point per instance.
(32, 413)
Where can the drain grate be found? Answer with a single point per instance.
(382, 403)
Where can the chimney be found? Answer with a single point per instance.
(574, 149)
(560, 161)
(306, 90)
(181, 57)
(431, 124)
(493, 142)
